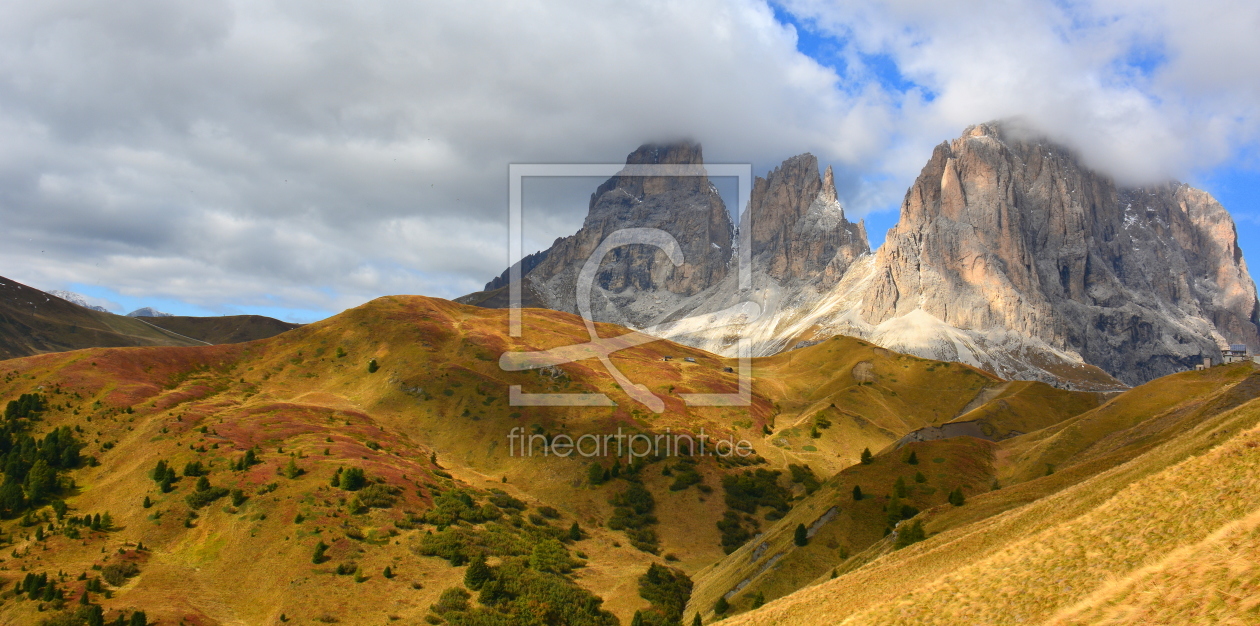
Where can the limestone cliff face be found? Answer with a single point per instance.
(799, 231)
(1009, 255)
(687, 207)
(1014, 235)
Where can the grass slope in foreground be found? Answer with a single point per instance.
(1158, 490)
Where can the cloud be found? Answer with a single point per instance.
(239, 152)
(1143, 90)
(313, 155)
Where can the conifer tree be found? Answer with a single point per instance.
(893, 510)
(913, 459)
(319, 557)
(595, 475)
(12, 500)
(353, 479)
(801, 536)
(919, 477)
(478, 573)
(913, 534)
(857, 492)
(95, 615)
(721, 606)
(159, 471)
(575, 532)
(900, 487)
(758, 600)
(867, 459)
(956, 497)
(696, 620)
(291, 470)
(40, 481)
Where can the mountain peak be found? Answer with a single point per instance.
(74, 298)
(829, 185)
(1004, 231)
(799, 231)
(148, 312)
(640, 187)
(685, 152)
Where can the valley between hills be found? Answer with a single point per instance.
(356, 470)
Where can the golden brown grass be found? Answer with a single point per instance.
(440, 389)
(1095, 550)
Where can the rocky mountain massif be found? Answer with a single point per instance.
(1009, 255)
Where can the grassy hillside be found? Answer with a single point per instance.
(410, 391)
(1155, 493)
(33, 322)
(436, 390)
(840, 527)
(223, 329)
(870, 397)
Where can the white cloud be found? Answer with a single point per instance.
(313, 155)
(225, 152)
(1144, 90)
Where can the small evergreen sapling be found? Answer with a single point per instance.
(319, 556)
(721, 606)
(478, 573)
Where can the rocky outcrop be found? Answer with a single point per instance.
(1009, 255)
(799, 231)
(687, 207)
(527, 265)
(1014, 235)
